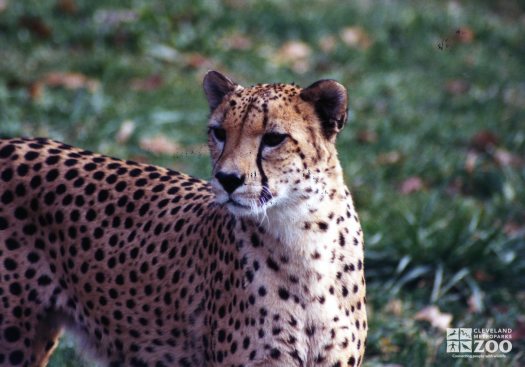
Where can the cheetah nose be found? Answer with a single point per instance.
(230, 181)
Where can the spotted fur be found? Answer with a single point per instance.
(261, 266)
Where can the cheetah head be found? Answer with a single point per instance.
(272, 145)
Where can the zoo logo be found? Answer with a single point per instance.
(461, 340)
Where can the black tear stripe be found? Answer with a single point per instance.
(265, 113)
(224, 144)
(265, 196)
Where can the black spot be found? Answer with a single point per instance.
(15, 289)
(179, 225)
(102, 196)
(52, 175)
(31, 155)
(7, 175)
(29, 229)
(10, 264)
(12, 334)
(22, 169)
(323, 226)
(4, 224)
(7, 197)
(12, 244)
(35, 182)
(272, 264)
(52, 159)
(33, 257)
(16, 357)
(7, 151)
(275, 353)
(44, 280)
(283, 293)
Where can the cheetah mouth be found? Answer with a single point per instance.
(237, 204)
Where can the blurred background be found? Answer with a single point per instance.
(434, 150)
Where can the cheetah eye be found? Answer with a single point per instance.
(219, 133)
(273, 139)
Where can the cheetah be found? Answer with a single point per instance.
(261, 266)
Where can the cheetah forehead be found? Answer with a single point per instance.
(265, 106)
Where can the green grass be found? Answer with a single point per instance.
(448, 244)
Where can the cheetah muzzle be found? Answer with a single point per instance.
(261, 266)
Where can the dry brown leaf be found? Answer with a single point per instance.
(387, 347)
(67, 6)
(196, 61)
(395, 307)
(236, 41)
(464, 35)
(125, 131)
(295, 54)
(3, 5)
(35, 91)
(159, 145)
(457, 86)
(411, 185)
(481, 276)
(69, 80)
(327, 43)
(435, 317)
(35, 25)
(505, 158)
(367, 136)
(147, 84)
(473, 305)
(355, 37)
(484, 141)
(514, 229)
(388, 158)
(470, 161)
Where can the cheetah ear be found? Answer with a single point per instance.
(216, 87)
(330, 100)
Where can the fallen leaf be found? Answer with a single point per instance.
(236, 41)
(35, 91)
(355, 37)
(295, 54)
(470, 161)
(481, 276)
(387, 347)
(3, 5)
(125, 131)
(327, 43)
(147, 84)
(196, 60)
(388, 158)
(159, 145)
(435, 317)
(113, 17)
(69, 80)
(395, 307)
(366, 136)
(518, 332)
(411, 185)
(514, 229)
(505, 158)
(457, 86)
(35, 25)
(473, 305)
(484, 141)
(464, 35)
(67, 6)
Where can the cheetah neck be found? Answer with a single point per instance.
(317, 221)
